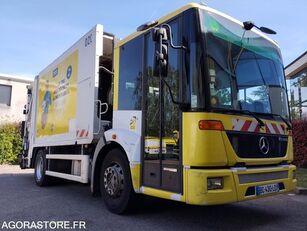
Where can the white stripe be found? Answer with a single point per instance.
(237, 124)
(252, 126)
(281, 131)
(238, 169)
(271, 129)
(176, 197)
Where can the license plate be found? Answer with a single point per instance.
(266, 189)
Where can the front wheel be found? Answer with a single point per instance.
(115, 183)
(40, 168)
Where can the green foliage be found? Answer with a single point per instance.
(10, 143)
(301, 176)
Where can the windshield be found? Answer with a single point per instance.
(245, 70)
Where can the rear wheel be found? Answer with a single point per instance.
(115, 183)
(40, 169)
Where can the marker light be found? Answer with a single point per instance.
(211, 125)
(215, 183)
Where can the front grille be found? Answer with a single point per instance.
(259, 177)
(246, 145)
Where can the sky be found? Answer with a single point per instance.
(34, 32)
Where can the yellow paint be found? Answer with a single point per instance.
(160, 21)
(196, 192)
(162, 194)
(116, 79)
(201, 148)
(57, 97)
(213, 148)
(206, 148)
(135, 170)
(132, 124)
(290, 149)
(196, 187)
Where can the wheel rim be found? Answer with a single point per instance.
(114, 180)
(39, 168)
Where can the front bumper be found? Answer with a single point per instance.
(239, 183)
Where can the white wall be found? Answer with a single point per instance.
(14, 112)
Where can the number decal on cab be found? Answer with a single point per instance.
(88, 40)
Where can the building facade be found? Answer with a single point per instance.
(296, 73)
(13, 97)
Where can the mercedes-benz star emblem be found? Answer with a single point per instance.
(264, 145)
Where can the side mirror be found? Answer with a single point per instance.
(22, 128)
(159, 36)
(25, 111)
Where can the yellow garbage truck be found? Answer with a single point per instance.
(191, 107)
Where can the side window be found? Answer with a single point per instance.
(193, 83)
(130, 75)
(5, 94)
(152, 89)
(170, 123)
(171, 110)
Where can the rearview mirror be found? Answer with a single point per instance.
(22, 128)
(159, 36)
(25, 111)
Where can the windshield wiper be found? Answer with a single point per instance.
(260, 122)
(221, 66)
(285, 120)
(280, 116)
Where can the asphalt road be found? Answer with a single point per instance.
(22, 200)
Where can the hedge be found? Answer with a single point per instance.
(10, 143)
(300, 142)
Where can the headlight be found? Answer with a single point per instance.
(215, 183)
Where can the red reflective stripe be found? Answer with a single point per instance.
(82, 133)
(246, 125)
(86, 134)
(275, 128)
(257, 129)
(267, 130)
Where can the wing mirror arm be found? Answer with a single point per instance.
(169, 30)
(163, 37)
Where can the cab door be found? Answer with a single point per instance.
(162, 165)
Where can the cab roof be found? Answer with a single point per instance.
(182, 9)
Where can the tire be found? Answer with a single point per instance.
(115, 183)
(40, 169)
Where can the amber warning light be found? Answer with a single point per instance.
(211, 125)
